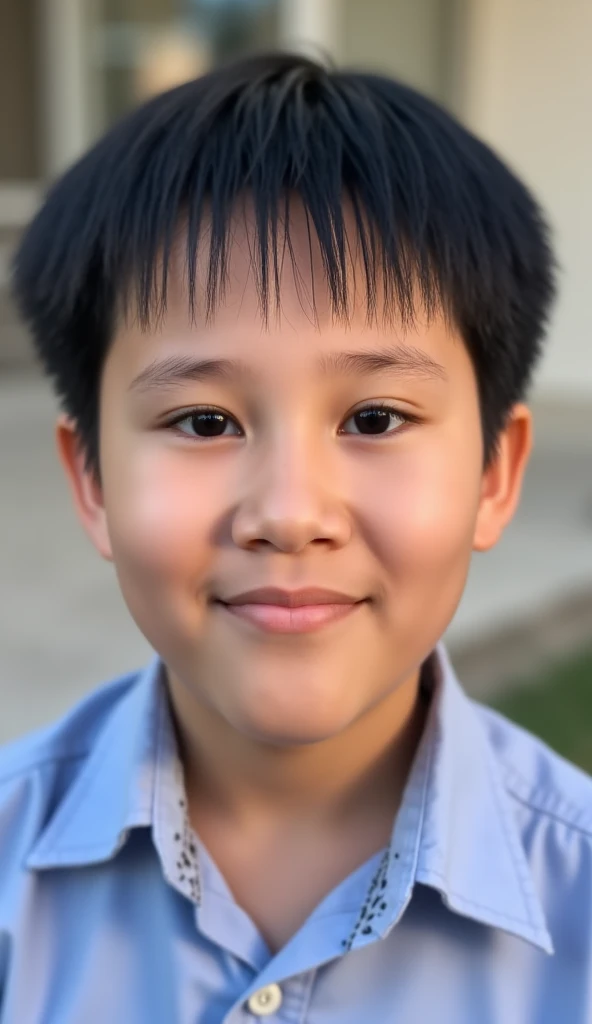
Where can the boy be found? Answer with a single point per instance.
(291, 315)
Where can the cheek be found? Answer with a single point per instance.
(161, 513)
(426, 518)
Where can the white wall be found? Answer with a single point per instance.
(404, 38)
(528, 91)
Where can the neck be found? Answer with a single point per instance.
(355, 775)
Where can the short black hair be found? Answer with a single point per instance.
(435, 209)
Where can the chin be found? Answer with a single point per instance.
(288, 727)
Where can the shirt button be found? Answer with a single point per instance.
(266, 1001)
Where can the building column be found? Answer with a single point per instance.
(64, 78)
(311, 26)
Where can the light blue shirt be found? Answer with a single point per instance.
(479, 911)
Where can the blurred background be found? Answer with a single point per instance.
(519, 73)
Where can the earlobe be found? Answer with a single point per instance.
(84, 486)
(502, 480)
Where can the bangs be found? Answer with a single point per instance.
(335, 256)
(388, 183)
(187, 164)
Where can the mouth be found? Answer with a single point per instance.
(278, 611)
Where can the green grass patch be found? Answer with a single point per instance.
(557, 706)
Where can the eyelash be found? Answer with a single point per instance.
(406, 420)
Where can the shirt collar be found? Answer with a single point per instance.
(469, 845)
(455, 830)
(174, 838)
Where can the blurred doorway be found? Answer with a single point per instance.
(144, 46)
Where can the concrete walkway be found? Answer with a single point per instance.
(64, 627)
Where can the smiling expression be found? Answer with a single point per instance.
(295, 454)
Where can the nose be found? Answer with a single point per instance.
(292, 500)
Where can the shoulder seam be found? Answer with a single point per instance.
(33, 765)
(517, 784)
(539, 806)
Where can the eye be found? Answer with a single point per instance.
(376, 420)
(206, 423)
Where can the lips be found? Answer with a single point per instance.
(291, 611)
(291, 598)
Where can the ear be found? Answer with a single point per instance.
(502, 480)
(84, 485)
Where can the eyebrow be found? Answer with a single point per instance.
(399, 360)
(174, 370)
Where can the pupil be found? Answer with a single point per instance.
(209, 424)
(372, 421)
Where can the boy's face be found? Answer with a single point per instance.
(296, 491)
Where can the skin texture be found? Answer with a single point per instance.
(296, 747)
